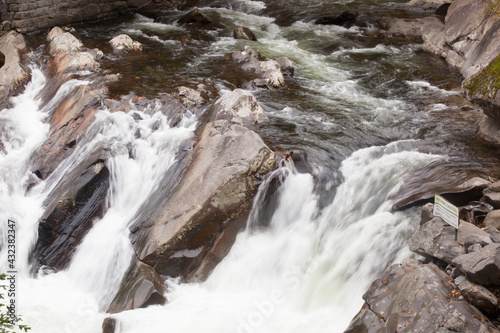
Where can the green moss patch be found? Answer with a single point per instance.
(486, 82)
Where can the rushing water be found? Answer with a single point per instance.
(367, 115)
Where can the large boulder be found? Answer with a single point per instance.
(229, 159)
(68, 219)
(68, 53)
(63, 42)
(13, 73)
(482, 267)
(416, 297)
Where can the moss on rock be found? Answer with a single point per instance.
(486, 82)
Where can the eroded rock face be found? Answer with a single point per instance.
(417, 297)
(226, 166)
(13, 73)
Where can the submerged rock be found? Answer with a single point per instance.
(417, 297)
(345, 19)
(243, 33)
(196, 19)
(187, 238)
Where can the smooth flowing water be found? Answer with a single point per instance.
(367, 115)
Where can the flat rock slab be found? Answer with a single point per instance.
(417, 297)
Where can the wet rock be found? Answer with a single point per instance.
(69, 124)
(436, 239)
(13, 73)
(68, 217)
(286, 66)
(492, 195)
(190, 97)
(141, 287)
(416, 297)
(477, 295)
(268, 72)
(123, 43)
(482, 267)
(243, 33)
(427, 213)
(196, 19)
(63, 42)
(220, 180)
(345, 19)
(68, 53)
(247, 54)
(493, 219)
(110, 325)
(79, 61)
(488, 130)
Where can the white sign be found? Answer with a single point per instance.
(446, 210)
